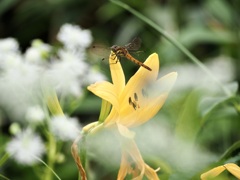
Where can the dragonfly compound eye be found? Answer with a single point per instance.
(114, 47)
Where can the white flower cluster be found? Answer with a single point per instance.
(37, 52)
(65, 128)
(10, 55)
(22, 76)
(8, 45)
(73, 36)
(69, 71)
(35, 114)
(65, 69)
(26, 148)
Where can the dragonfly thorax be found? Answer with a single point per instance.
(119, 50)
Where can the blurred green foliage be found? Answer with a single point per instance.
(209, 29)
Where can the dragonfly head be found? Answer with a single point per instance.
(115, 48)
(119, 50)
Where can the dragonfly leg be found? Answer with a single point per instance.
(117, 58)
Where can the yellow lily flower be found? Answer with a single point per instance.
(140, 99)
(231, 167)
(132, 161)
(133, 104)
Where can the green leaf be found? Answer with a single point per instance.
(230, 151)
(195, 35)
(208, 104)
(6, 4)
(188, 124)
(108, 11)
(233, 87)
(221, 10)
(105, 109)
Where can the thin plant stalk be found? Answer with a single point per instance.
(52, 151)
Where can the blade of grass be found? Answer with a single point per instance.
(48, 167)
(173, 41)
(4, 159)
(3, 177)
(230, 150)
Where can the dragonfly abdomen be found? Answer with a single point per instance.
(128, 56)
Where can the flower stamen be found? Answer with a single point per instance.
(134, 102)
(135, 96)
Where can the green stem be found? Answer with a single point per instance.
(48, 168)
(105, 109)
(4, 159)
(52, 151)
(3, 177)
(83, 151)
(172, 40)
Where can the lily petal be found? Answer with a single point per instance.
(125, 131)
(148, 105)
(105, 90)
(140, 169)
(156, 98)
(112, 118)
(142, 76)
(161, 86)
(233, 169)
(117, 74)
(147, 113)
(124, 167)
(135, 85)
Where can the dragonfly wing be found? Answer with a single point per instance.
(134, 45)
(100, 50)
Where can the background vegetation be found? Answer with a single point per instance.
(201, 112)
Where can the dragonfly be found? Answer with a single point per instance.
(123, 51)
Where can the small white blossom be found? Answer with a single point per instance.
(65, 128)
(35, 114)
(15, 128)
(8, 45)
(66, 55)
(37, 52)
(18, 86)
(67, 74)
(94, 76)
(25, 147)
(10, 55)
(72, 36)
(10, 60)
